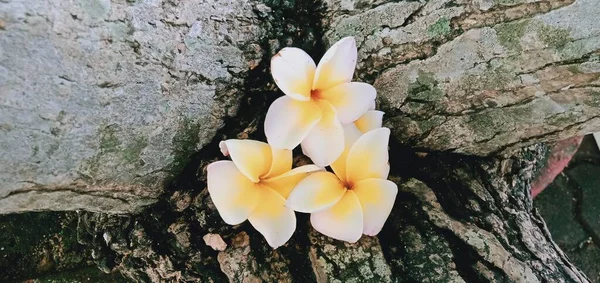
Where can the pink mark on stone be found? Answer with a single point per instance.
(560, 155)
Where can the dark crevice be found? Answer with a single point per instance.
(579, 199)
(465, 259)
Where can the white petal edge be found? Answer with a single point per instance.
(282, 160)
(337, 65)
(289, 121)
(351, 134)
(376, 197)
(293, 71)
(343, 221)
(252, 158)
(350, 100)
(371, 120)
(325, 142)
(316, 192)
(234, 195)
(272, 219)
(285, 183)
(369, 157)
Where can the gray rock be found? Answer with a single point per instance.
(103, 101)
(453, 76)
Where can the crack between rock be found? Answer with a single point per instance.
(54, 190)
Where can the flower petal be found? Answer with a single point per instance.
(289, 121)
(325, 142)
(272, 219)
(253, 158)
(232, 193)
(337, 65)
(350, 100)
(293, 71)
(318, 191)
(285, 183)
(351, 134)
(371, 120)
(372, 105)
(281, 162)
(376, 197)
(368, 157)
(343, 221)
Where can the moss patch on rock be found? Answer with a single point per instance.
(440, 28)
(510, 34)
(554, 37)
(425, 88)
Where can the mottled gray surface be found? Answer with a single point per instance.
(102, 101)
(461, 76)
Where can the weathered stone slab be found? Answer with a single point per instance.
(103, 101)
(460, 76)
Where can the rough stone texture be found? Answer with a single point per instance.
(478, 77)
(103, 101)
(457, 219)
(335, 261)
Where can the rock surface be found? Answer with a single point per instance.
(478, 77)
(102, 101)
(456, 219)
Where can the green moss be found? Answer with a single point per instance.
(574, 69)
(510, 34)
(185, 142)
(133, 150)
(112, 146)
(507, 2)
(108, 139)
(440, 28)
(594, 99)
(495, 77)
(425, 88)
(573, 50)
(485, 125)
(554, 37)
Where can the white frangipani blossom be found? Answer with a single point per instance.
(318, 101)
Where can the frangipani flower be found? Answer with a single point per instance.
(254, 186)
(318, 101)
(358, 198)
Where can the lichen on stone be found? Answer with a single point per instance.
(554, 37)
(510, 34)
(425, 87)
(440, 28)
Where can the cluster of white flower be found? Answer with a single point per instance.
(335, 122)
